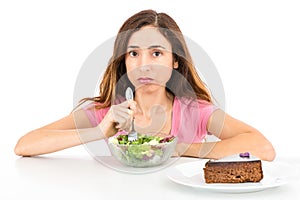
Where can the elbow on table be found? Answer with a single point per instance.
(267, 152)
(20, 149)
(19, 152)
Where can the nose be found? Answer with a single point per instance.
(145, 62)
(145, 68)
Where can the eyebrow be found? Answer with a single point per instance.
(150, 47)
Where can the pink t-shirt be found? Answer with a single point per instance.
(189, 118)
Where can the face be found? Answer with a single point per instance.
(149, 59)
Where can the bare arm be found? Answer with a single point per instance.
(63, 134)
(236, 137)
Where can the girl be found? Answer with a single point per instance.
(151, 56)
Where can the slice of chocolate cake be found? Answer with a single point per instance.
(238, 168)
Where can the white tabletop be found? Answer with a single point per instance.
(82, 177)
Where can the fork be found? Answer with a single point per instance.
(132, 135)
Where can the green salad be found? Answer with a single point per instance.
(148, 150)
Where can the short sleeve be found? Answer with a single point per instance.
(190, 118)
(206, 110)
(95, 115)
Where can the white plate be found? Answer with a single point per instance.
(191, 174)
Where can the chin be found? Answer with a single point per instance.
(149, 88)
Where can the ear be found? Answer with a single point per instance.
(175, 65)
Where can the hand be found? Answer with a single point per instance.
(180, 149)
(122, 114)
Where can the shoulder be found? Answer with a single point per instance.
(185, 102)
(95, 112)
(191, 116)
(193, 108)
(95, 107)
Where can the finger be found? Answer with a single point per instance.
(122, 125)
(175, 154)
(181, 148)
(119, 118)
(124, 119)
(124, 113)
(126, 103)
(124, 107)
(131, 104)
(119, 110)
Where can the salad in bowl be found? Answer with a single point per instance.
(147, 151)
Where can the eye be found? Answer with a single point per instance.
(156, 53)
(133, 53)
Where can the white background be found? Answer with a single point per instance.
(255, 46)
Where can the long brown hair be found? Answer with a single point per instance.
(184, 81)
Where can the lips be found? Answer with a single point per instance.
(145, 80)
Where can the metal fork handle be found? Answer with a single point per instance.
(132, 126)
(132, 135)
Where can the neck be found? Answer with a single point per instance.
(154, 101)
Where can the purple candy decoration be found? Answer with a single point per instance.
(245, 155)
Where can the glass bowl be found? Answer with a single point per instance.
(148, 151)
